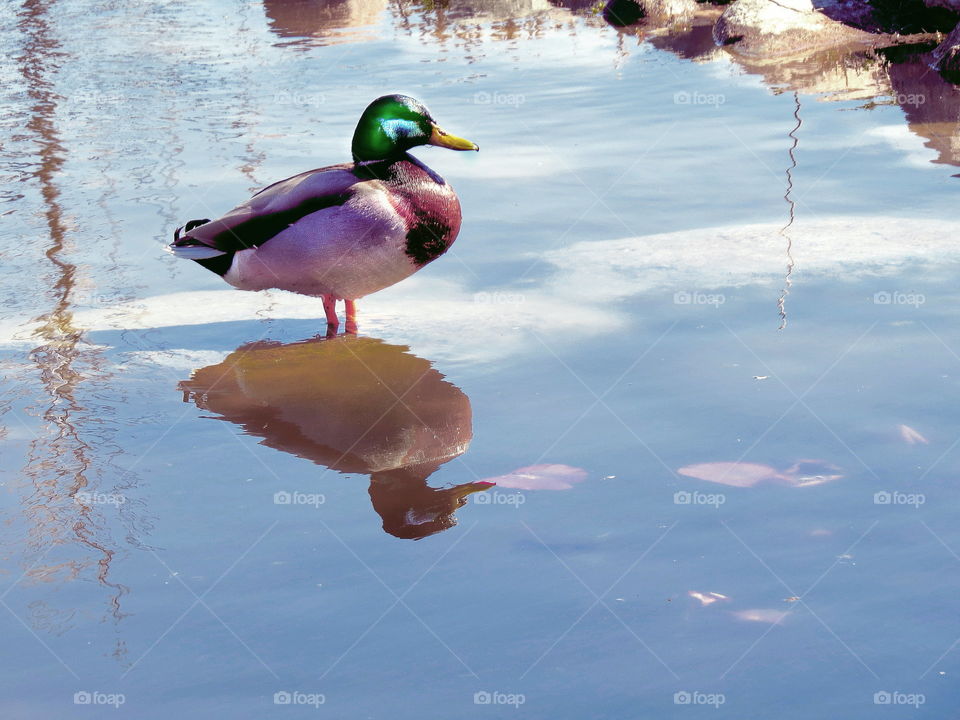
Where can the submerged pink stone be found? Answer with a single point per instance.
(707, 598)
(911, 436)
(737, 474)
(541, 477)
(761, 615)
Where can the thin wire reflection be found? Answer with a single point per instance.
(785, 230)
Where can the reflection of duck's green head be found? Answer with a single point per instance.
(393, 124)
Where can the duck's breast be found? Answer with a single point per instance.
(429, 207)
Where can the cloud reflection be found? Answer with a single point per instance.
(584, 286)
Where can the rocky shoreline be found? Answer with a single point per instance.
(772, 30)
(876, 52)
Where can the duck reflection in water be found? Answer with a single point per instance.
(354, 405)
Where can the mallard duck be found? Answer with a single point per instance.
(343, 231)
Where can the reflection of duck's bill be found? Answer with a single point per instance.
(469, 488)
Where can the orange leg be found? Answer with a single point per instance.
(351, 311)
(330, 308)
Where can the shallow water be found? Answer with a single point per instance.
(670, 261)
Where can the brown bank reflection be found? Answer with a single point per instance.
(65, 525)
(899, 75)
(930, 103)
(354, 405)
(894, 76)
(463, 23)
(324, 22)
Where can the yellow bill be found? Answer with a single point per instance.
(441, 138)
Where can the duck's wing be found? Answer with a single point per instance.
(270, 211)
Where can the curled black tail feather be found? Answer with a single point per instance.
(191, 224)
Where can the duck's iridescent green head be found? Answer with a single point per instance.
(393, 124)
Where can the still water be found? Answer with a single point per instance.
(700, 328)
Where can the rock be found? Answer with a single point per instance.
(946, 56)
(781, 28)
(949, 4)
(917, 16)
(693, 41)
(627, 12)
(861, 14)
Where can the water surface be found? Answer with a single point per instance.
(671, 261)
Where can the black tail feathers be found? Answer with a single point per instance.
(191, 224)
